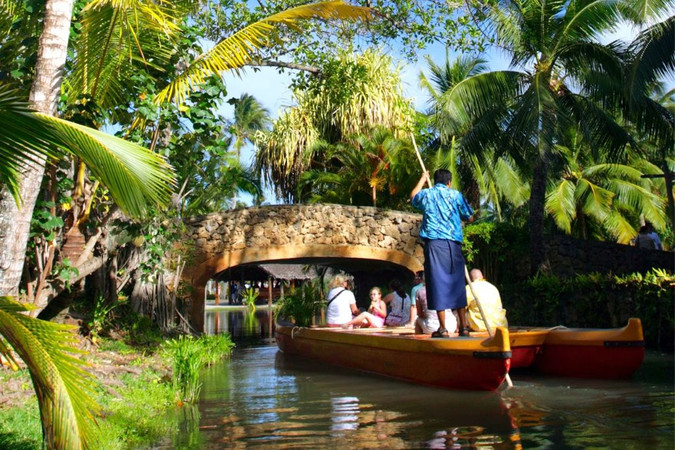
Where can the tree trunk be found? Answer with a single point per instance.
(537, 200)
(44, 94)
(668, 177)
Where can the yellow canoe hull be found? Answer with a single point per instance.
(473, 363)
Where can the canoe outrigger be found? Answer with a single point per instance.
(474, 363)
(579, 352)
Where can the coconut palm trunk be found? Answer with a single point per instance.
(537, 200)
(44, 94)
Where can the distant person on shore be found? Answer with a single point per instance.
(374, 317)
(490, 300)
(400, 305)
(341, 305)
(443, 210)
(647, 238)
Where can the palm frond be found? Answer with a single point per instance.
(116, 37)
(24, 139)
(560, 205)
(653, 50)
(599, 128)
(65, 391)
(134, 175)
(585, 19)
(241, 48)
(595, 201)
(641, 12)
(476, 95)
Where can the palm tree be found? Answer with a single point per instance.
(524, 112)
(651, 56)
(444, 78)
(598, 195)
(355, 94)
(484, 178)
(249, 117)
(359, 169)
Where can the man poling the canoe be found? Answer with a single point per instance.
(443, 260)
(443, 210)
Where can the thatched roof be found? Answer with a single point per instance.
(289, 271)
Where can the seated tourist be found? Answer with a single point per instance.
(400, 306)
(374, 317)
(341, 304)
(427, 319)
(490, 300)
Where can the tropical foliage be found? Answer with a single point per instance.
(354, 95)
(601, 198)
(301, 304)
(564, 74)
(134, 176)
(374, 169)
(65, 391)
(598, 300)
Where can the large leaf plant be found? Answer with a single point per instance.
(64, 390)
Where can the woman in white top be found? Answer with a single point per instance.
(341, 302)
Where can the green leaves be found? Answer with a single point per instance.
(64, 390)
(241, 48)
(135, 176)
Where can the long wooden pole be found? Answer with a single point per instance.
(466, 271)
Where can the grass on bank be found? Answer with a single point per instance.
(140, 413)
(138, 409)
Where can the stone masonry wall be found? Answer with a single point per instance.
(266, 226)
(568, 256)
(338, 225)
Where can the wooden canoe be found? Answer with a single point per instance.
(473, 363)
(592, 353)
(578, 352)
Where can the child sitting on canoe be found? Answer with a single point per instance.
(374, 317)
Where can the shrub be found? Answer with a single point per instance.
(188, 356)
(596, 300)
(497, 248)
(301, 304)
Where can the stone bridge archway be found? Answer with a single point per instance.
(298, 234)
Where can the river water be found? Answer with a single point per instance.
(265, 399)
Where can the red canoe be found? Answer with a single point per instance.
(578, 352)
(473, 363)
(593, 353)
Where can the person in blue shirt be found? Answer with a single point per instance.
(443, 210)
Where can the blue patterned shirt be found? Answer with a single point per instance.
(443, 209)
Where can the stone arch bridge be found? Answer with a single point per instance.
(372, 243)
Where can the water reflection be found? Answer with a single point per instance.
(240, 323)
(263, 398)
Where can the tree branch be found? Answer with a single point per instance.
(286, 65)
